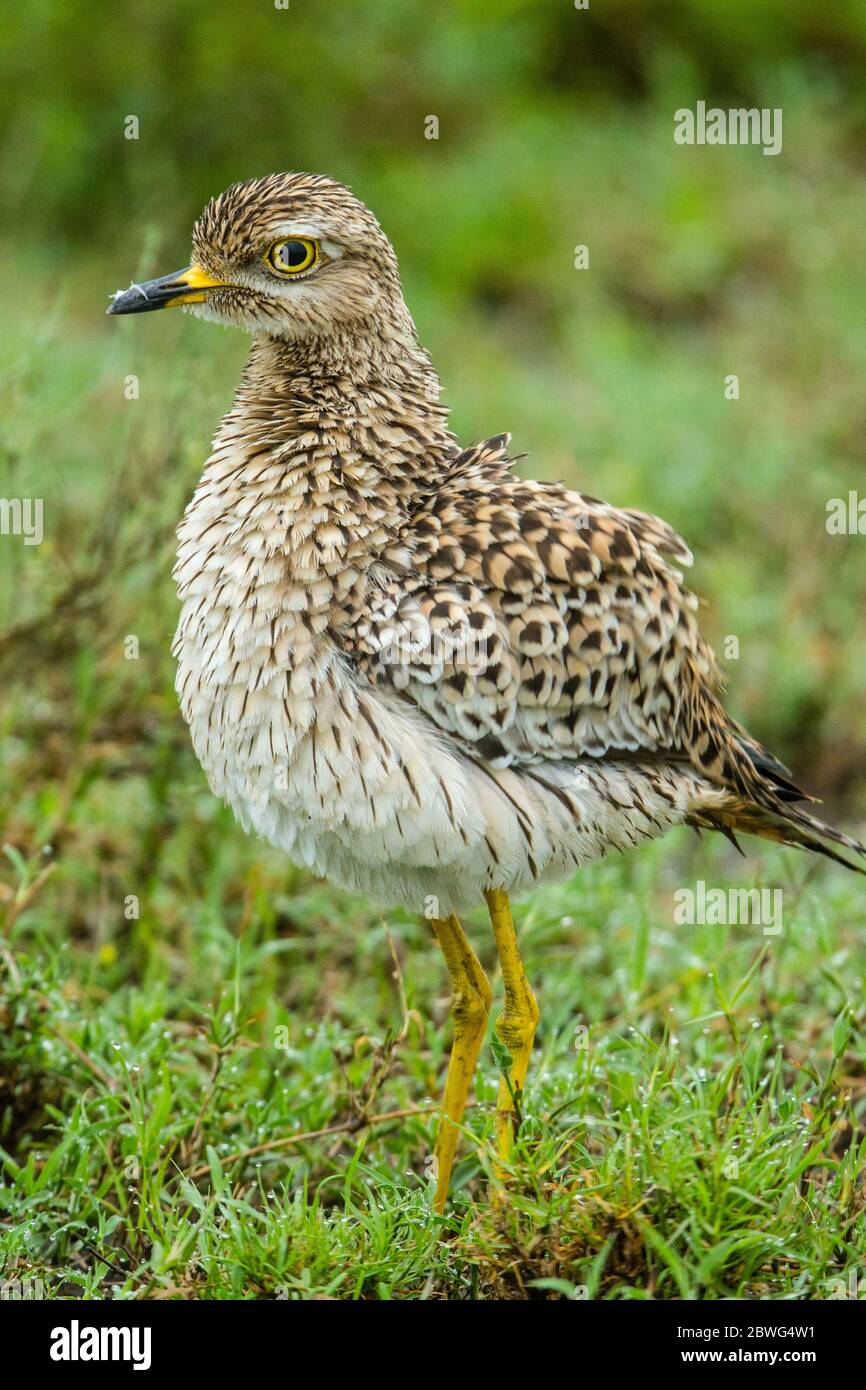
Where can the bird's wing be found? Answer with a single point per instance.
(534, 623)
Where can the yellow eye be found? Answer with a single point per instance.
(293, 256)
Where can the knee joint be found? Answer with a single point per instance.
(468, 1008)
(517, 1023)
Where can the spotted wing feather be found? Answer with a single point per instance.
(536, 623)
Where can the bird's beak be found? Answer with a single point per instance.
(188, 286)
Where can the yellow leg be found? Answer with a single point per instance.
(471, 997)
(515, 1026)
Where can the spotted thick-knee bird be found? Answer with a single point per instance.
(426, 678)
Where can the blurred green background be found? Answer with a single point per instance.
(555, 130)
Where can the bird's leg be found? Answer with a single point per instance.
(515, 1026)
(471, 997)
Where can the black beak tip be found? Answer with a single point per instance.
(125, 302)
(136, 300)
(151, 294)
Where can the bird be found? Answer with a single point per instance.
(425, 677)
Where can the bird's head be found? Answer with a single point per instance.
(289, 255)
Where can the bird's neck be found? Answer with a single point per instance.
(327, 449)
(362, 399)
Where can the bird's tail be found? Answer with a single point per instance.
(787, 825)
(769, 808)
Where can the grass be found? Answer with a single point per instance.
(200, 1046)
(193, 1111)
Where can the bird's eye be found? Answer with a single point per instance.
(293, 256)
